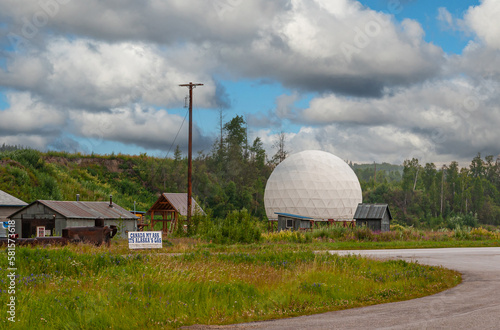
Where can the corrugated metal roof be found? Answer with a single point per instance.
(179, 202)
(371, 211)
(88, 210)
(9, 200)
(293, 216)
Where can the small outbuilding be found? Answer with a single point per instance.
(48, 218)
(9, 204)
(171, 206)
(377, 217)
(287, 221)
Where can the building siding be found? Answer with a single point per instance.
(5, 211)
(57, 222)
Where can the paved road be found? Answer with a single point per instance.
(474, 304)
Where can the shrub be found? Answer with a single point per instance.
(482, 233)
(363, 233)
(237, 227)
(462, 220)
(397, 227)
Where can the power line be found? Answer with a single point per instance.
(176, 135)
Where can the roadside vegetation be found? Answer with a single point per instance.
(226, 267)
(220, 272)
(87, 287)
(242, 227)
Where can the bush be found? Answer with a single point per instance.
(462, 220)
(237, 227)
(397, 227)
(363, 233)
(26, 157)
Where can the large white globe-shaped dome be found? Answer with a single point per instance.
(314, 184)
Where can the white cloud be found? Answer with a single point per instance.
(347, 49)
(101, 69)
(28, 115)
(98, 76)
(445, 17)
(158, 21)
(146, 127)
(30, 122)
(483, 20)
(104, 92)
(311, 44)
(39, 142)
(452, 118)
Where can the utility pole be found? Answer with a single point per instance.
(442, 189)
(190, 86)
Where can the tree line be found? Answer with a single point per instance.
(232, 176)
(429, 196)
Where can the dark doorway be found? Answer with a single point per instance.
(29, 226)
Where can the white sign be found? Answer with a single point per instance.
(145, 240)
(40, 231)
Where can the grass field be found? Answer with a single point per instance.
(87, 287)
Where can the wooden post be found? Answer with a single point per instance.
(190, 86)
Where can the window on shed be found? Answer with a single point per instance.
(289, 223)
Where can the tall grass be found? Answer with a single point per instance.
(236, 227)
(335, 234)
(89, 288)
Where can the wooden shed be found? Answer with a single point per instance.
(49, 218)
(377, 217)
(171, 206)
(292, 222)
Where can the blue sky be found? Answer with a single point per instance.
(426, 13)
(368, 81)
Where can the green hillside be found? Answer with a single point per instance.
(233, 175)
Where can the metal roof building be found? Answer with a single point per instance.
(9, 204)
(377, 217)
(287, 221)
(54, 216)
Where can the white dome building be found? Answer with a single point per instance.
(314, 184)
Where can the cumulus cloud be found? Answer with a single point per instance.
(110, 70)
(451, 118)
(480, 59)
(146, 127)
(483, 20)
(263, 119)
(98, 76)
(341, 47)
(30, 115)
(158, 21)
(29, 122)
(315, 45)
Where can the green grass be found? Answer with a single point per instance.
(94, 288)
